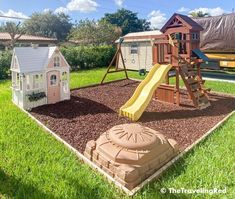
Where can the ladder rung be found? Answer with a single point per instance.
(194, 86)
(192, 81)
(198, 94)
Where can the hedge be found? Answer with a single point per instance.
(5, 63)
(83, 57)
(80, 57)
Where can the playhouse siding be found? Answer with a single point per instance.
(26, 103)
(62, 62)
(17, 97)
(141, 60)
(64, 67)
(29, 105)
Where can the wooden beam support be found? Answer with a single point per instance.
(177, 85)
(116, 58)
(116, 71)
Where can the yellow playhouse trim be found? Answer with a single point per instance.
(136, 105)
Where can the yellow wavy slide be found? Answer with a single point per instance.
(143, 94)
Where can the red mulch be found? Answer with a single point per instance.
(93, 110)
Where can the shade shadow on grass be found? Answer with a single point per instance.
(10, 187)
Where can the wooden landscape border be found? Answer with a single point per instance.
(153, 176)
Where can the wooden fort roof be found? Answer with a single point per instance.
(183, 19)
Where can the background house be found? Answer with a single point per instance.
(40, 75)
(137, 50)
(26, 40)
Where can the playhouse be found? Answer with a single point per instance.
(40, 75)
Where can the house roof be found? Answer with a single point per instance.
(140, 36)
(189, 22)
(33, 59)
(145, 33)
(4, 36)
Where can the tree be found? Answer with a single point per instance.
(127, 20)
(199, 14)
(5, 62)
(94, 32)
(49, 24)
(14, 30)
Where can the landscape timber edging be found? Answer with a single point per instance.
(149, 179)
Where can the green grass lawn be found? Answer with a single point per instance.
(84, 78)
(35, 165)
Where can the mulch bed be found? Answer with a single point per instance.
(93, 110)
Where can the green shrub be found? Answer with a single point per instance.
(5, 63)
(36, 96)
(84, 57)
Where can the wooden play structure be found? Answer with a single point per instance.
(176, 50)
(179, 46)
(118, 56)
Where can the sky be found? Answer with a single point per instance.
(155, 11)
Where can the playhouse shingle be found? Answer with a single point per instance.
(33, 59)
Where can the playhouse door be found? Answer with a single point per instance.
(53, 87)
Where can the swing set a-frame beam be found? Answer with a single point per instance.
(116, 58)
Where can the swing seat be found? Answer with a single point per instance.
(142, 72)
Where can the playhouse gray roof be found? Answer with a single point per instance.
(33, 59)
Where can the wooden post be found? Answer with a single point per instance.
(199, 71)
(167, 78)
(175, 61)
(177, 85)
(123, 62)
(115, 58)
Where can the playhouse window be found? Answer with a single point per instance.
(65, 87)
(56, 61)
(134, 49)
(182, 48)
(169, 49)
(53, 80)
(64, 76)
(37, 81)
(16, 81)
(27, 82)
(195, 36)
